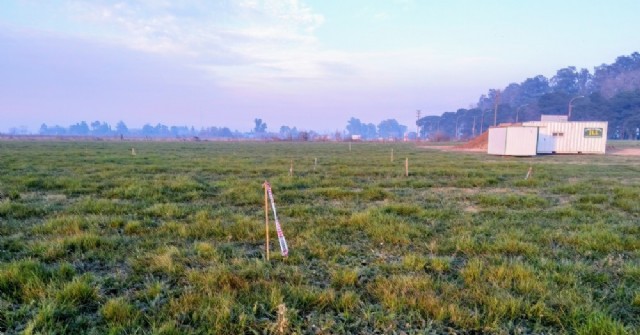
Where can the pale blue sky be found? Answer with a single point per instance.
(311, 64)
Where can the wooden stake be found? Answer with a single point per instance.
(349, 146)
(315, 163)
(529, 173)
(391, 155)
(266, 217)
(133, 151)
(282, 318)
(291, 169)
(406, 167)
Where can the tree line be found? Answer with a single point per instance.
(98, 128)
(611, 93)
(387, 129)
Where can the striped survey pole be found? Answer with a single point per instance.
(284, 249)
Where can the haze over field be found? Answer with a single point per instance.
(310, 64)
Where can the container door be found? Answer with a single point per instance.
(521, 141)
(497, 141)
(546, 143)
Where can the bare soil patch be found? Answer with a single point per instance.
(623, 151)
(477, 144)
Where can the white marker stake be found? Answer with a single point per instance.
(284, 249)
(529, 173)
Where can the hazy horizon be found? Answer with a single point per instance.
(309, 64)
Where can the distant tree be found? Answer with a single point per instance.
(260, 126)
(391, 129)
(22, 130)
(95, 126)
(448, 123)
(610, 94)
(121, 128)
(622, 75)
(534, 88)
(585, 82)
(512, 94)
(100, 128)
(178, 131)
(556, 103)
(285, 133)
(288, 133)
(366, 130)
(216, 132)
(54, 130)
(338, 136)
(625, 113)
(148, 130)
(355, 127)
(488, 101)
(162, 130)
(303, 136)
(429, 125)
(81, 128)
(226, 133)
(369, 131)
(627, 81)
(57, 130)
(566, 81)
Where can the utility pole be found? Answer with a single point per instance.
(495, 108)
(518, 111)
(474, 126)
(457, 130)
(418, 125)
(571, 105)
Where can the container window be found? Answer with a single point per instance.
(558, 134)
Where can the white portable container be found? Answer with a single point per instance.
(570, 137)
(513, 141)
(554, 118)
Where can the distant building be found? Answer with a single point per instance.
(552, 135)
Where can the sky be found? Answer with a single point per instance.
(312, 64)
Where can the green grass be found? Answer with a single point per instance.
(171, 241)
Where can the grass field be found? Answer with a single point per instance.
(171, 240)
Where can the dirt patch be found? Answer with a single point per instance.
(472, 209)
(451, 148)
(623, 151)
(478, 142)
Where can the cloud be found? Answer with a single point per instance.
(244, 43)
(211, 34)
(222, 60)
